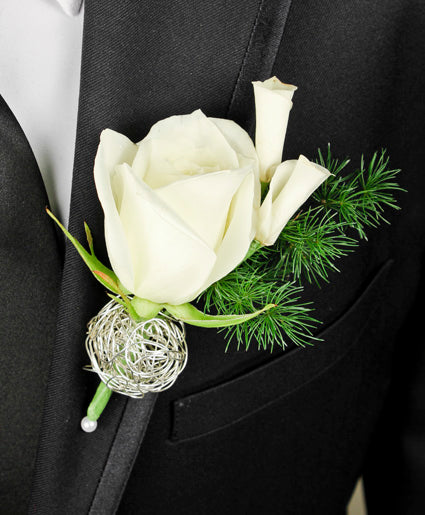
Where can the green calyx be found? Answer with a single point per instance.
(145, 309)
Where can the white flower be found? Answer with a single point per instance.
(183, 206)
(292, 183)
(273, 101)
(179, 205)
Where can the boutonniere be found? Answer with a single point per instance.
(195, 212)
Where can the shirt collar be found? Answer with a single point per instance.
(71, 7)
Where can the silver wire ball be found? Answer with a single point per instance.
(135, 358)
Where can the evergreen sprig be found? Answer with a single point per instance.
(246, 289)
(361, 196)
(310, 244)
(338, 213)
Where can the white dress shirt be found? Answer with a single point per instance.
(40, 57)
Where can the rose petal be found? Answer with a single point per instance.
(170, 262)
(114, 148)
(241, 142)
(203, 202)
(272, 106)
(292, 184)
(237, 137)
(239, 233)
(281, 176)
(181, 146)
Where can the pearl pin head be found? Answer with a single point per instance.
(88, 425)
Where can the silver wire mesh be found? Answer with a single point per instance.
(135, 358)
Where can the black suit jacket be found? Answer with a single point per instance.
(240, 432)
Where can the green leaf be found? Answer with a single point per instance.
(89, 238)
(99, 270)
(190, 315)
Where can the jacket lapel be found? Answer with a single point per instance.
(30, 274)
(142, 61)
(260, 55)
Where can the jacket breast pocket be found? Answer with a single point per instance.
(202, 413)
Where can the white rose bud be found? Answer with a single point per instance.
(179, 205)
(273, 101)
(292, 184)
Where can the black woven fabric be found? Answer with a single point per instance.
(29, 284)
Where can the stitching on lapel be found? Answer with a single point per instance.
(245, 57)
(259, 58)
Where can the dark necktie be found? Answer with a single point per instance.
(30, 270)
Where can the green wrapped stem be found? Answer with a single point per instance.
(99, 402)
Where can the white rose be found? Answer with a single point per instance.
(291, 182)
(291, 185)
(273, 101)
(183, 205)
(179, 206)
